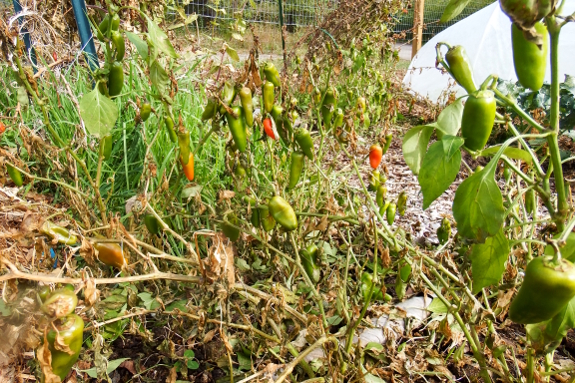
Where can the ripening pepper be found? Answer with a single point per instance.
(375, 154)
(119, 44)
(545, 291)
(247, 105)
(460, 68)
(228, 227)
(266, 219)
(58, 233)
(145, 111)
(401, 203)
(272, 74)
(15, 175)
(106, 146)
(210, 110)
(237, 128)
(444, 231)
(170, 127)
(478, 119)
(296, 167)
(60, 303)
(283, 213)
(111, 254)
(70, 331)
(529, 60)
(184, 144)
(390, 213)
(189, 167)
(152, 224)
(309, 263)
(305, 142)
(269, 129)
(361, 105)
(268, 95)
(115, 79)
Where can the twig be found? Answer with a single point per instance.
(289, 368)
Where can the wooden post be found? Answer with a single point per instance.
(418, 12)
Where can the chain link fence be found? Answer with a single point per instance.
(432, 14)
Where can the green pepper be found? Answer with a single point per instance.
(380, 195)
(110, 254)
(184, 144)
(15, 175)
(60, 303)
(531, 202)
(145, 111)
(120, 44)
(305, 142)
(255, 218)
(529, 60)
(44, 292)
(507, 173)
(361, 105)
(374, 180)
(283, 213)
(316, 95)
(444, 231)
(401, 203)
(103, 88)
(365, 287)
(115, 79)
(230, 231)
(115, 22)
(152, 224)
(338, 121)
(266, 219)
(478, 118)
(240, 171)
(460, 68)
(58, 233)
(103, 28)
(70, 333)
(247, 105)
(390, 213)
(545, 291)
(296, 167)
(106, 146)
(227, 96)
(272, 74)
(309, 263)
(280, 123)
(268, 95)
(170, 127)
(327, 108)
(210, 110)
(388, 140)
(237, 128)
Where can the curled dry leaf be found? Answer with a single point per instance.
(60, 344)
(91, 294)
(88, 252)
(45, 359)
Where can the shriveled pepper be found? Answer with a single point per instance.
(375, 154)
(230, 231)
(111, 254)
(309, 263)
(247, 105)
(272, 74)
(361, 105)
(296, 167)
(152, 224)
(60, 303)
(119, 44)
(283, 213)
(529, 60)
(145, 111)
(237, 128)
(70, 331)
(189, 167)
(478, 119)
(401, 203)
(115, 79)
(58, 233)
(303, 138)
(210, 110)
(227, 96)
(390, 213)
(15, 175)
(268, 96)
(546, 289)
(527, 12)
(460, 68)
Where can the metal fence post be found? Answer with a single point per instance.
(282, 28)
(26, 36)
(85, 33)
(417, 26)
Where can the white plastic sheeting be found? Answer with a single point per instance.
(486, 36)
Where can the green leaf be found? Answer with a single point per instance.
(558, 326)
(159, 39)
(478, 205)
(193, 364)
(440, 167)
(189, 354)
(437, 306)
(449, 120)
(453, 9)
(23, 98)
(149, 301)
(415, 145)
(159, 77)
(99, 113)
(515, 153)
(141, 45)
(112, 365)
(232, 53)
(488, 261)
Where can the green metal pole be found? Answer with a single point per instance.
(282, 29)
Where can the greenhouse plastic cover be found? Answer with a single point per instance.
(486, 36)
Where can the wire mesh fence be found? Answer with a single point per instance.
(432, 13)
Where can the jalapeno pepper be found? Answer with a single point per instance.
(152, 224)
(230, 231)
(268, 96)
(119, 44)
(327, 108)
(283, 213)
(247, 105)
(237, 128)
(111, 254)
(210, 110)
(115, 22)
(115, 79)
(303, 138)
(338, 120)
(478, 118)
(170, 127)
(227, 96)
(58, 233)
(460, 68)
(401, 203)
(70, 332)
(272, 74)
(374, 180)
(390, 213)
(103, 28)
(309, 263)
(60, 303)
(296, 167)
(365, 287)
(15, 175)
(529, 60)
(380, 195)
(145, 111)
(189, 167)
